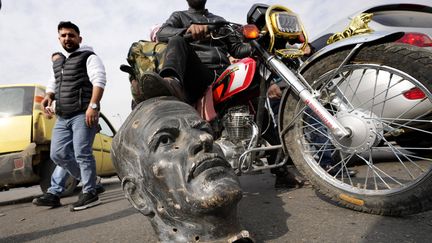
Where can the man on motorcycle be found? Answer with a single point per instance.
(191, 66)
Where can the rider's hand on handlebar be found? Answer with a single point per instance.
(198, 31)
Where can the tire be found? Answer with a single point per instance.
(47, 169)
(365, 96)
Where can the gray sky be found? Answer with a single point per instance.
(28, 33)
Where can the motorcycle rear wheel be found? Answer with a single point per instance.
(369, 97)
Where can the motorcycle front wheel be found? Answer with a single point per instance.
(382, 96)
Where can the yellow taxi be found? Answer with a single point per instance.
(25, 135)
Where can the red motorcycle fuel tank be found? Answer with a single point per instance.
(236, 78)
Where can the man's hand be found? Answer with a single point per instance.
(198, 31)
(92, 117)
(46, 105)
(274, 92)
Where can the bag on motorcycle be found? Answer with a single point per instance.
(144, 56)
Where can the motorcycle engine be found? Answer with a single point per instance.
(237, 133)
(237, 123)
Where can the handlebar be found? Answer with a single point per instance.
(212, 27)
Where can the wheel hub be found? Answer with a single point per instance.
(366, 131)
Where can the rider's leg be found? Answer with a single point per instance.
(181, 62)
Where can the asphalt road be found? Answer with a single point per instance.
(297, 215)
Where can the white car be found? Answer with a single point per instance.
(414, 19)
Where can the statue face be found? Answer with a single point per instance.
(184, 172)
(173, 172)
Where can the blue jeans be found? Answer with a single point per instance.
(71, 149)
(58, 181)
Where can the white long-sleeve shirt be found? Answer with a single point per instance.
(95, 70)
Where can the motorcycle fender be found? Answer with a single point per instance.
(351, 41)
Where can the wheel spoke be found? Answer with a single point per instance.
(344, 166)
(376, 170)
(315, 128)
(396, 152)
(405, 126)
(406, 121)
(374, 92)
(386, 94)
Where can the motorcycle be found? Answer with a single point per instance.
(337, 112)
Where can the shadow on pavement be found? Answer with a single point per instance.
(41, 234)
(261, 210)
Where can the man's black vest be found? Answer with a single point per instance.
(73, 87)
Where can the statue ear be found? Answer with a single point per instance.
(140, 201)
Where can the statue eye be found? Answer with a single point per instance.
(166, 139)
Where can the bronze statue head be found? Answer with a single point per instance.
(173, 172)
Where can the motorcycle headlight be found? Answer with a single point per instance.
(285, 31)
(286, 24)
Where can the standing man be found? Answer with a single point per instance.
(76, 87)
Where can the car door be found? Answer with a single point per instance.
(98, 152)
(106, 134)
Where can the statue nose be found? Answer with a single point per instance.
(207, 142)
(204, 143)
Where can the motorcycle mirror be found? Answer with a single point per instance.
(250, 31)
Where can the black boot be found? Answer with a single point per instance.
(47, 200)
(155, 86)
(127, 69)
(287, 178)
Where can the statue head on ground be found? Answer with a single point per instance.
(173, 172)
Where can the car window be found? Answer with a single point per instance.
(404, 18)
(105, 128)
(16, 101)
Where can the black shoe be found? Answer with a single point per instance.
(338, 172)
(48, 200)
(100, 189)
(127, 69)
(155, 86)
(85, 200)
(288, 180)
